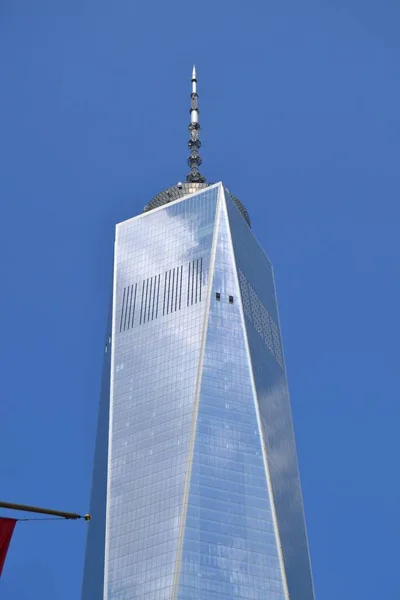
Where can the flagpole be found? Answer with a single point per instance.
(44, 511)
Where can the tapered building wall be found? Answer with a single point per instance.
(260, 309)
(200, 486)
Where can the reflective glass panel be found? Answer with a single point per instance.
(161, 273)
(229, 549)
(262, 324)
(93, 577)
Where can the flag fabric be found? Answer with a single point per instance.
(6, 531)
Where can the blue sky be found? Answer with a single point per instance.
(300, 114)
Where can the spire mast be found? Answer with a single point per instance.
(194, 159)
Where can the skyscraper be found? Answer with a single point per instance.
(196, 492)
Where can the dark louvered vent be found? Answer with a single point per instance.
(161, 294)
(128, 307)
(194, 281)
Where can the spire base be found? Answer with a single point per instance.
(195, 178)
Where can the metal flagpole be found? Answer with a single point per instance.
(44, 511)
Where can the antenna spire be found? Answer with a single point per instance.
(194, 159)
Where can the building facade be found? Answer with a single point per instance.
(196, 492)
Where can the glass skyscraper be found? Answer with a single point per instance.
(196, 492)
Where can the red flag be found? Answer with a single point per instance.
(6, 531)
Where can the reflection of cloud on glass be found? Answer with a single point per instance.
(154, 251)
(276, 419)
(173, 233)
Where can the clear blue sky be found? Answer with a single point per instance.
(300, 113)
